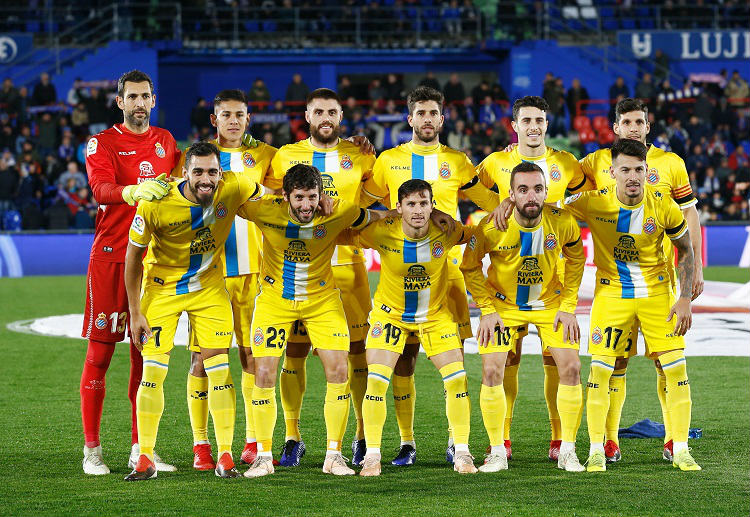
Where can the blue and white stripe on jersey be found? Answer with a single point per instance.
(236, 252)
(326, 162)
(629, 273)
(190, 281)
(532, 245)
(294, 275)
(231, 161)
(424, 167)
(416, 303)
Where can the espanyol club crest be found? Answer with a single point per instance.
(221, 211)
(649, 225)
(159, 150)
(247, 159)
(550, 241)
(445, 170)
(101, 321)
(258, 336)
(377, 330)
(652, 177)
(320, 231)
(437, 249)
(346, 162)
(596, 336)
(554, 173)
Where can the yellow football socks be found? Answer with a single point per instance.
(551, 381)
(358, 386)
(679, 403)
(597, 396)
(374, 408)
(248, 383)
(457, 406)
(292, 383)
(661, 392)
(197, 401)
(510, 386)
(150, 401)
(264, 416)
(336, 414)
(569, 402)
(221, 400)
(404, 400)
(492, 404)
(616, 402)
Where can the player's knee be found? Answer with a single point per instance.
(338, 372)
(492, 374)
(569, 371)
(265, 376)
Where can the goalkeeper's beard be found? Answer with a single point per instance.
(135, 122)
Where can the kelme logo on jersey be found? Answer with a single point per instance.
(472, 242)
(203, 242)
(146, 169)
(652, 177)
(437, 249)
(596, 336)
(296, 252)
(416, 278)
(550, 241)
(159, 150)
(445, 170)
(377, 330)
(554, 172)
(221, 210)
(319, 231)
(346, 162)
(625, 249)
(258, 336)
(649, 225)
(101, 321)
(247, 159)
(329, 187)
(530, 272)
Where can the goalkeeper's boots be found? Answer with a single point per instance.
(135, 452)
(359, 448)
(407, 455)
(144, 469)
(463, 463)
(262, 466)
(371, 466)
(554, 449)
(225, 467)
(450, 453)
(597, 462)
(667, 451)
(93, 463)
(684, 461)
(202, 457)
(612, 452)
(335, 464)
(568, 461)
(292, 453)
(249, 453)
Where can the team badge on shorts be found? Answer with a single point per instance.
(159, 150)
(258, 336)
(346, 162)
(445, 170)
(550, 241)
(247, 159)
(649, 225)
(101, 321)
(554, 172)
(376, 330)
(652, 177)
(437, 249)
(596, 336)
(221, 210)
(319, 231)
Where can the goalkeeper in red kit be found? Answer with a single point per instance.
(125, 163)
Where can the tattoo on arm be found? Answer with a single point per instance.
(685, 264)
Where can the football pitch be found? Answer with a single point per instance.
(40, 472)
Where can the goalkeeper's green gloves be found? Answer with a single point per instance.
(249, 142)
(148, 190)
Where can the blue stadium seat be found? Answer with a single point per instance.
(609, 24)
(270, 26)
(12, 221)
(606, 12)
(647, 23)
(628, 24)
(33, 26)
(252, 26)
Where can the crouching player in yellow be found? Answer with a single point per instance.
(411, 298)
(524, 286)
(184, 233)
(628, 223)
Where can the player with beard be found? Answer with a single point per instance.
(449, 172)
(562, 172)
(666, 172)
(527, 283)
(122, 163)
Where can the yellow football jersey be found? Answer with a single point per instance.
(413, 273)
(185, 239)
(297, 257)
(628, 240)
(666, 171)
(343, 169)
(561, 169)
(524, 264)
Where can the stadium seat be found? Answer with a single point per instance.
(628, 24)
(609, 24)
(252, 26)
(600, 122)
(606, 12)
(647, 23)
(605, 136)
(587, 136)
(12, 221)
(269, 26)
(581, 122)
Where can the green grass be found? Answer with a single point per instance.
(727, 274)
(41, 473)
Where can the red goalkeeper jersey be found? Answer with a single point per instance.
(116, 158)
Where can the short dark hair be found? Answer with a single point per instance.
(304, 177)
(627, 105)
(629, 148)
(525, 167)
(411, 186)
(424, 94)
(230, 95)
(134, 76)
(530, 101)
(322, 93)
(201, 149)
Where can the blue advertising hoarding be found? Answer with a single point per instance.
(692, 44)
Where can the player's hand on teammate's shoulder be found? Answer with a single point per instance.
(325, 205)
(249, 141)
(501, 214)
(149, 190)
(140, 331)
(443, 220)
(486, 330)
(361, 141)
(509, 148)
(683, 316)
(571, 330)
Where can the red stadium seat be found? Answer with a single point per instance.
(581, 122)
(505, 121)
(600, 122)
(606, 136)
(587, 136)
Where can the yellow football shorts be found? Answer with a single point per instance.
(438, 335)
(543, 320)
(613, 318)
(274, 317)
(209, 313)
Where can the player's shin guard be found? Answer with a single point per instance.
(292, 383)
(551, 381)
(358, 386)
(197, 401)
(457, 406)
(510, 386)
(150, 401)
(374, 408)
(336, 414)
(136, 373)
(569, 403)
(248, 383)
(93, 389)
(616, 402)
(492, 404)
(679, 403)
(661, 392)
(222, 400)
(597, 396)
(264, 416)
(404, 400)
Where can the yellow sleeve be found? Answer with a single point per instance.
(349, 237)
(277, 166)
(587, 167)
(471, 267)
(376, 186)
(575, 260)
(578, 180)
(462, 234)
(368, 163)
(269, 179)
(249, 209)
(576, 205)
(483, 172)
(177, 171)
(674, 222)
(682, 192)
(142, 225)
(480, 194)
(248, 188)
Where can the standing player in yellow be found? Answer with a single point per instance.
(628, 223)
(562, 172)
(411, 298)
(666, 172)
(526, 284)
(448, 171)
(344, 166)
(241, 256)
(184, 233)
